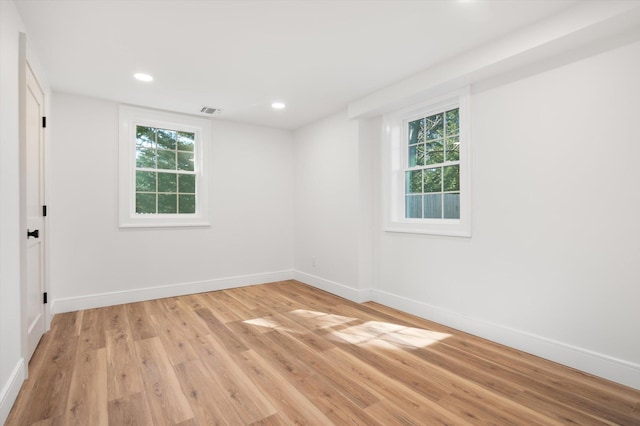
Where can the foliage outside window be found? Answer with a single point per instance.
(427, 167)
(433, 171)
(162, 169)
(165, 176)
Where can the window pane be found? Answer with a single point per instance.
(453, 122)
(187, 203)
(413, 182)
(453, 149)
(146, 181)
(451, 178)
(413, 207)
(167, 203)
(452, 206)
(185, 161)
(433, 206)
(415, 135)
(145, 137)
(145, 203)
(413, 155)
(433, 127)
(421, 155)
(187, 183)
(166, 160)
(167, 182)
(433, 180)
(434, 153)
(416, 155)
(145, 157)
(186, 141)
(166, 139)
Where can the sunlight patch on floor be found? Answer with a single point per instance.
(379, 334)
(322, 319)
(387, 335)
(268, 323)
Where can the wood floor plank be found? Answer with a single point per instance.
(168, 405)
(247, 400)
(273, 420)
(116, 317)
(287, 353)
(175, 343)
(206, 395)
(87, 403)
(139, 321)
(50, 383)
(389, 414)
(92, 331)
(223, 312)
(193, 301)
(335, 402)
(289, 401)
(190, 324)
(376, 357)
(402, 395)
(231, 342)
(123, 377)
(230, 299)
(316, 342)
(131, 410)
(359, 395)
(564, 414)
(67, 324)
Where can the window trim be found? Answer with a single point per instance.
(129, 118)
(395, 163)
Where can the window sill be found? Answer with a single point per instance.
(163, 222)
(449, 228)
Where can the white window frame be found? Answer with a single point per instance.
(129, 118)
(395, 163)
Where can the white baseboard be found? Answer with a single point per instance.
(10, 390)
(605, 366)
(71, 304)
(598, 364)
(342, 290)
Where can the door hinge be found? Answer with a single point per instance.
(44, 211)
(44, 297)
(44, 121)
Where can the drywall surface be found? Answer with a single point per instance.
(326, 195)
(11, 364)
(556, 237)
(251, 232)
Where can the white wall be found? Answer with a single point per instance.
(94, 263)
(552, 266)
(11, 364)
(556, 235)
(327, 200)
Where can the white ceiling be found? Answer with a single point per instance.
(317, 56)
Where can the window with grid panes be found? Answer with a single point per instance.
(165, 172)
(432, 188)
(427, 167)
(163, 176)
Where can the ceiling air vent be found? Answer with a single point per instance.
(209, 110)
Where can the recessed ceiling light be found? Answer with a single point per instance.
(142, 77)
(278, 105)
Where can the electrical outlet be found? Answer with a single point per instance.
(313, 261)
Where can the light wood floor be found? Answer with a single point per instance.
(285, 353)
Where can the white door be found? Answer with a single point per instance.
(34, 139)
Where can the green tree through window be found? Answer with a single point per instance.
(165, 172)
(432, 189)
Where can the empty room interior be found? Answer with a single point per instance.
(271, 212)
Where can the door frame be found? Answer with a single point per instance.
(27, 62)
